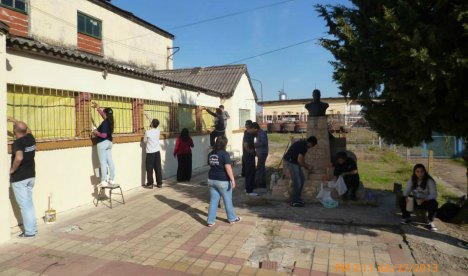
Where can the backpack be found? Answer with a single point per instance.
(448, 211)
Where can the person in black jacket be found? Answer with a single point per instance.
(220, 128)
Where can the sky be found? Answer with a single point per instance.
(253, 30)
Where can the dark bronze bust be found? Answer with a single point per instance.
(316, 108)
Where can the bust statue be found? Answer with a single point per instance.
(316, 108)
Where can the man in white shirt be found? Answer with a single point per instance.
(153, 155)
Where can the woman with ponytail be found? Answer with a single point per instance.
(104, 145)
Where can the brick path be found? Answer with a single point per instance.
(163, 232)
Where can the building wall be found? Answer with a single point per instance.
(279, 107)
(69, 173)
(4, 160)
(243, 98)
(55, 21)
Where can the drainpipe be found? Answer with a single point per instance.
(170, 54)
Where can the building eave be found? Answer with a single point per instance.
(84, 59)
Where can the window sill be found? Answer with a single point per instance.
(67, 143)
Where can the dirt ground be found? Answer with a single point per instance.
(450, 172)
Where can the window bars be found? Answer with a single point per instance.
(57, 114)
(122, 111)
(49, 113)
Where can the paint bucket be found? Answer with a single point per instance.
(50, 216)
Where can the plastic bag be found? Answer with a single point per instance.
(339, 185)
(329, 203)
(323, 194)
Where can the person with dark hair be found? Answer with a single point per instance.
(183, 151)
(248, 157)
(261, 150)
(347, 168)
(221, 182)
(220, 128)
(23, 175)
(225, 115)
(248, 125)
(153, 155)
(421, 190)
(104, 145)
(294, 159)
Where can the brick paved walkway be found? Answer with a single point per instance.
(163, 232)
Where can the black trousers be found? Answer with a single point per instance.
(249, 165)
(352, 183)
(153, 162)
(214, 134)
(429, 205)
(184, 170)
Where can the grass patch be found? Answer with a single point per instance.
(459, 161)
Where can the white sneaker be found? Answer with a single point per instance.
(111, 183)
(252, 194)
(103, 184)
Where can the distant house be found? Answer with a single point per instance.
(56, 57)
(340, 108)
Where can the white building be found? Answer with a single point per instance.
(57, 56)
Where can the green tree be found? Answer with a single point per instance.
(405, 61)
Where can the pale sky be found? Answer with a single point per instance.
(248, 28)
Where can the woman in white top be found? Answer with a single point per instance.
(421, 189)
(153, 155)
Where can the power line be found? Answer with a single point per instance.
(278, 49)
(215, 18)
(230, 15)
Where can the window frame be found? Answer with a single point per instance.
(242, 120)
(86, 16)
(25, 11)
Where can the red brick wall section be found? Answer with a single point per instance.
(138, 120)
(17, 21)
(89, 44)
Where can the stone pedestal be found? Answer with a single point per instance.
(318, 157)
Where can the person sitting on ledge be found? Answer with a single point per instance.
(421, 189)
(347, 168)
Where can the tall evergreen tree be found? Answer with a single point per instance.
(405, 61)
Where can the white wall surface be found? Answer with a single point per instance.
(34, 71)
(243, 98)
(4, 157)
(68, 173)
(55, 21)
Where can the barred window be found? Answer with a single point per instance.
(49, 113)
(208, 120)
(89, 25)
(122, 110)
(158, 110)
(244, 115)
(18, 5)
(186, 117)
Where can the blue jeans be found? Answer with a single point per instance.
(220, 189)
(23, 194)
(297, 178)
(105, 158)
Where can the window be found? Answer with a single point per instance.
(49, 113)
(160, 111)
(18, 5)
(244, 115)
(89, 26)
(122, 108)
(207, 120)
(187, 117)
